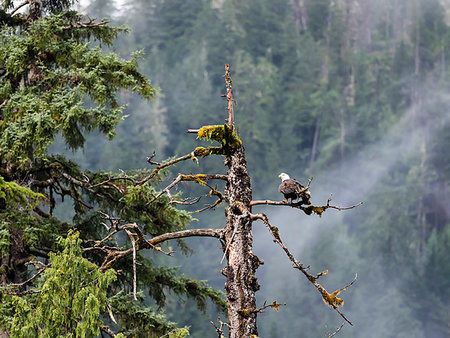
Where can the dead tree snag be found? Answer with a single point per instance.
(236, 235)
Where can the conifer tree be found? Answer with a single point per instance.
(55, 83)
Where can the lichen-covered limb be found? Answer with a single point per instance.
(309, 209)
(274, 305)
(113, 254)
(197, 152)
(200, 179)
(330, 299)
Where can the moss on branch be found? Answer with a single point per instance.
(223, 134)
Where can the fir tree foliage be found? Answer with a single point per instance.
(72, 295)
(59, 79)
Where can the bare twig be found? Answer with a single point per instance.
(336, 331)
(219, 329)
(114, 254)
(150, 159)
(199, 178)
(18, 285)
(273, 305)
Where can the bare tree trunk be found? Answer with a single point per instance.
(241, 283)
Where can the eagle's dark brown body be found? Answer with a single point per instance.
(293, 190)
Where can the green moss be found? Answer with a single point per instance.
(222, 134)
(15, 195)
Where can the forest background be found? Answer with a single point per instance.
(352, 92)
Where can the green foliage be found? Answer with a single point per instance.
(69, 302)
(59, 80)
(66, 73)
(15, 195)
(146, 321)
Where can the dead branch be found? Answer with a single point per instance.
(114, 254)
(219, 329)
(309, 209)
(18, 285)
(86, 25)
(228, 83)
(273, 305)
(199, 178)
(150, 159)
(19, 7)
(329, 299)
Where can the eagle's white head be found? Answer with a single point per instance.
(284, 176)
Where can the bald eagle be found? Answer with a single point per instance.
(292, 189)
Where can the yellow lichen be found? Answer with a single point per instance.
(246, 312)
(331, 299)
(202, 152)
(318, 210)
(196, 178)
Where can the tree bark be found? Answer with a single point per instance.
(241, 283)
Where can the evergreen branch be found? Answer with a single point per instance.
(329, 299)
